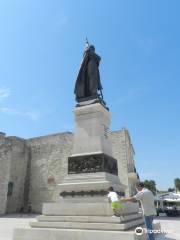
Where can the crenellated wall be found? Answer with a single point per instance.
(35, 166)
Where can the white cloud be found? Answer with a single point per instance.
(133, 94)
(34, 116)
(147, 175)
(4, 93)
(61, 21)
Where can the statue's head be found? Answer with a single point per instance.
(91, 48)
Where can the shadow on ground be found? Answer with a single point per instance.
(19, 215)
(163, 237)
(168, 218)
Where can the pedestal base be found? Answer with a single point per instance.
(90, 185)
(83, 221)
(72, 234)
(70, 208)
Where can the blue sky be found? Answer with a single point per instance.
(41, 46)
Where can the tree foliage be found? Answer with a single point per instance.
(177, 183)
(151, 185)
(171, 189)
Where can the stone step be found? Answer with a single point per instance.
(85, 209)
(87, 225)
(90, 219)
(72, 234)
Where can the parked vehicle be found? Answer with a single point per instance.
(171, 207)
(168, 203)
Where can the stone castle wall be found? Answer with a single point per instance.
(123, 151)
(37, 165)
(48, 159)
(13, 166)
(18, 170)
(119, 152)
(5, 159)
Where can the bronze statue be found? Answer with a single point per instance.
(88, 84)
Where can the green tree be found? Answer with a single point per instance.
(177, 183)
(171, 189)
(151, 185)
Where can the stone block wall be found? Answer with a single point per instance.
(48, 161)
(18, 167)
(124, 152)
(119, 152)
(5, 160)
(35, 166)
(13, 164)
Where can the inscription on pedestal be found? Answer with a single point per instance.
(92, 163)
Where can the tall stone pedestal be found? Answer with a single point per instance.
(91, 167)
(83, 211)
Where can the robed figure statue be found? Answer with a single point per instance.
(88, 85)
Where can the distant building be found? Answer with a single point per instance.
(30, 169)
(168, 195)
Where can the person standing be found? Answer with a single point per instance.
(146, 199)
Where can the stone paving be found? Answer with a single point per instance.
(170, 225)
(9, 222)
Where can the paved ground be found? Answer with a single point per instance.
(171, 225)
(9, 222)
